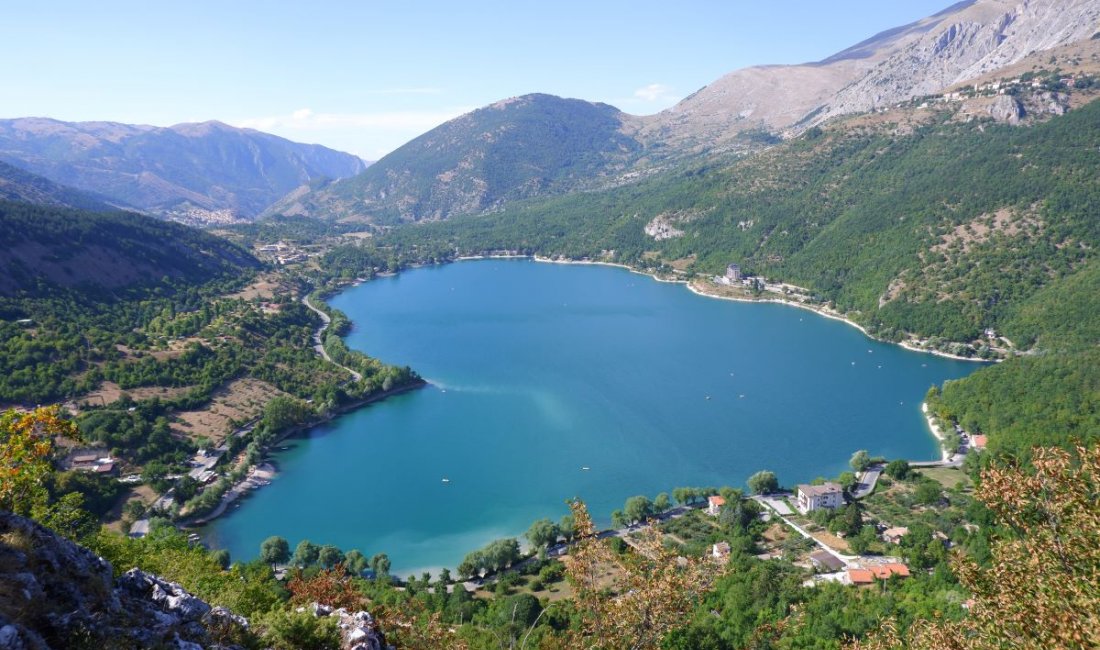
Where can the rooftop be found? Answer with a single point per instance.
(820, 490)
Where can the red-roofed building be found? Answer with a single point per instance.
(977, 442)
(861, 576)
(714, 505)
(877, 572)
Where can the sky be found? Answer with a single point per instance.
(366, 76)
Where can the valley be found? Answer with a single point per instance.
(534, 379)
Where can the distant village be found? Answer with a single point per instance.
(282, 253)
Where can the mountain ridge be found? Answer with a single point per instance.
(740, 113)
(197, 168)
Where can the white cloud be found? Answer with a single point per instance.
(654, 93)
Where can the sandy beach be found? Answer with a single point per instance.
(945, 456)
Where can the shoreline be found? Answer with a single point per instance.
(223, 504)
(834, 315)
(700, 291)
(937, 432)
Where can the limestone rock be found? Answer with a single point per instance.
(1006, 109)
(55, 594)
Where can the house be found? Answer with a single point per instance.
(885, 571)
(720, 551)
(826, 561)
(106, 468)
(861, 577)
(868, 575)
(894, 535)
(977, 441)
(816, 497)
(714, 505)
(733, 273)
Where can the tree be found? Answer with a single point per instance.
(466, 568)
(380, 564)
(1055, 523)
(637, 508)
(661, 503)
(897, 469)
(305, 554)
(763, 482)
(221, 557)
(565, 527)
(329, 556)
(542, 533)
(275, 550)
(652, 593)
(26, 443)
(356, 562)
(502, 553)
(860, 460)
(618, 519)
(860, 543)
(928, 492)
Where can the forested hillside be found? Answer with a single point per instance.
(942, 230)
(20, 185)
(520, 147)
(45, 249)
(918, 223)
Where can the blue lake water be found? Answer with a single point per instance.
(538, 370)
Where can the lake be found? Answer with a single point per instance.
(539, 370)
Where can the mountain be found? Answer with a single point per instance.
(539, 145)
(44, 249)
(516, 148)
(196, 168)
(964, 41)
(937, 221)
(22, 186)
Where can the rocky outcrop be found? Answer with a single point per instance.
(56, 594)
(966, 40)
(358, 630)
(969, 40)
(1006, 109)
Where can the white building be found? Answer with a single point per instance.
(815, 497)
(714, 505)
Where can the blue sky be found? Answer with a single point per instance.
(366, 76)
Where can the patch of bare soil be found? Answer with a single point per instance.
(240, 400)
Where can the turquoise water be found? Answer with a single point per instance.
(538, 370)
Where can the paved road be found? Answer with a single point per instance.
(867, 481)
(317, 338)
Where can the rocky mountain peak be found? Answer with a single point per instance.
(961, 42)
(974, 39)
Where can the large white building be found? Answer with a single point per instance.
(815, 497)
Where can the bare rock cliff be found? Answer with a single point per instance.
(964, 41)
(961, 45)
(56, 594)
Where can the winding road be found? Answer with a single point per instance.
(318, 344)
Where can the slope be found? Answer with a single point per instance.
(917, 222)
(22, 186)
(207, 167)
(46, 250)
(965, 40)
(516, 148)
